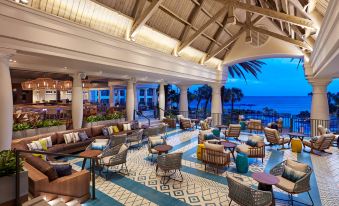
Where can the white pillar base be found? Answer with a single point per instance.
(216, 107)
(162, 100)
(183, 100)
(130, 100)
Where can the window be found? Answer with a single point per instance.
(104, 92)
(150, 92)
(142, 100)
(142, 92)
(122, 92)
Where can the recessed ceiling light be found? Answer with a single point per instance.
(10, 60)
(14, 61)
(65, 68)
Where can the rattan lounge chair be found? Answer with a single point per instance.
(135, 136)
(233, 131)
(169, 164)
(322, 144)
(273, 137)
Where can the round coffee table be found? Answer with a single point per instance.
(89, 154)
(163, 148)
(231, 146)
(266, 181)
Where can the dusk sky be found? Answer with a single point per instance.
(279, 77)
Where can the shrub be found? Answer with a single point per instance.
(48, 123)
(21, 126)
(8, 163)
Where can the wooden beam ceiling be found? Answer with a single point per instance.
(144, 17)
(194, 36)
(138, 7)
(217, 34)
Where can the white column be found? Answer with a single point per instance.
(130, 100)
(6, 106)
(77, 102)
(216, 107)
(162, 100)
(319, 107)
(111, 96)
(183, 102)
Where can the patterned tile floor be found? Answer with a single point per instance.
(142, 185)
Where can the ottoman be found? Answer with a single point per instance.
(199, 151)
(296, 145)
(242, 163)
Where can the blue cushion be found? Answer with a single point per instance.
(251, 143)
(83, 136)
(292, 175)
(216, 132)
(97, 147)
(209, 136)
(105, 131)
(62, 168)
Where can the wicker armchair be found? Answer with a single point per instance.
(300, 186)
(152, 151)
(135, 137)
(214, 154)
(321, 130)
(117, 139)
(254, 124)
(245, 195)
(163, 130)
(170, 164)
(114, 156)
(273, 137)
(186, 123)
(253, 152)
(322, 144)
(233, 131)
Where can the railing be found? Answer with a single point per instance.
(140, 114)
(17, 172)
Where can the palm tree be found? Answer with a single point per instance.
(253, 67)
(232, 95)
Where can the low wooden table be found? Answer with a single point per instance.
(221, 127)
(163, 148)
(296, 135)
(231, 146)
(89, 154)
(266, 181)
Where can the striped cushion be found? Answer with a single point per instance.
(68, 138)
(49, 141)
(76, 137)
(35, 145)
(110, 130)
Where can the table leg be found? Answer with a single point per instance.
(265, 187)
(83, 164)
(289, 143)
(232, 152)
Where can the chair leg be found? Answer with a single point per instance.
(230, 203)
(310, 198)
(292, 199)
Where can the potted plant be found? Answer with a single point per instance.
(7, 178)
(19, 129)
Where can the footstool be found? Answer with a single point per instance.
(242, 163)
(296, 145)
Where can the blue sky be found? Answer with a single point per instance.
(279, 77)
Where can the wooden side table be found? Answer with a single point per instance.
(231, 146)
(163, 148)
(296, 135)
(89, 154)
(266, 181)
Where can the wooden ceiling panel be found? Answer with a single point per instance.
(182, 8)
(123, 6)
(201, 43)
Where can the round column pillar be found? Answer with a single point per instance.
(183, 102)
(111, 96)
(216, 107)
(77, 102)
(319, 107)
(6, 106)
(162, 100)
(130, 100)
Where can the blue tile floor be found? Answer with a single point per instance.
(142, 186)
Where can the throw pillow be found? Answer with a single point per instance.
(214, 147)
(123, 148)
(105, 131)
(156, 142)
(83, 136)
(204, 125)
(216, 132)
(251, 143)
(62, 168)
(35, 145)
(76, 137)
(41, 156)
(296, 165)
(97, 146)
(49, 141)
(115, 129)
(110, 130)
(127, 127)
(292, 175)
(314, 139)
(68, 138)
(209, 136)
(43, 143)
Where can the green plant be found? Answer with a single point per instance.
(21, 126)
(114, 115)
(8, 163)
(95, 118)
(48, 123)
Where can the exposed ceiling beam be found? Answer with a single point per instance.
(144, 17)
(194, 36)
(217, 34)
(139, 6)
(248, 22)
(191, 19)
(231, 40)
(274, 14)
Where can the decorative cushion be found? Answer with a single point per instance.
(68, 138)
(204, 125)
(49, 141)
(123, 148)
(156, 142)
(97, 146)
(209, 136)
(285, 184)
(214, 147)
(115, 129)
(127, 127)
(43, 143)
(314, 139)
(297, 165)
(243, 148)
(83, 136)
(216, 132)
(291, 174)
(41, 156)
(35, 145)
(62, 168)
(105, 131)
(76, 137)
(253, 140)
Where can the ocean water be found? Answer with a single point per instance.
(282, 104)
